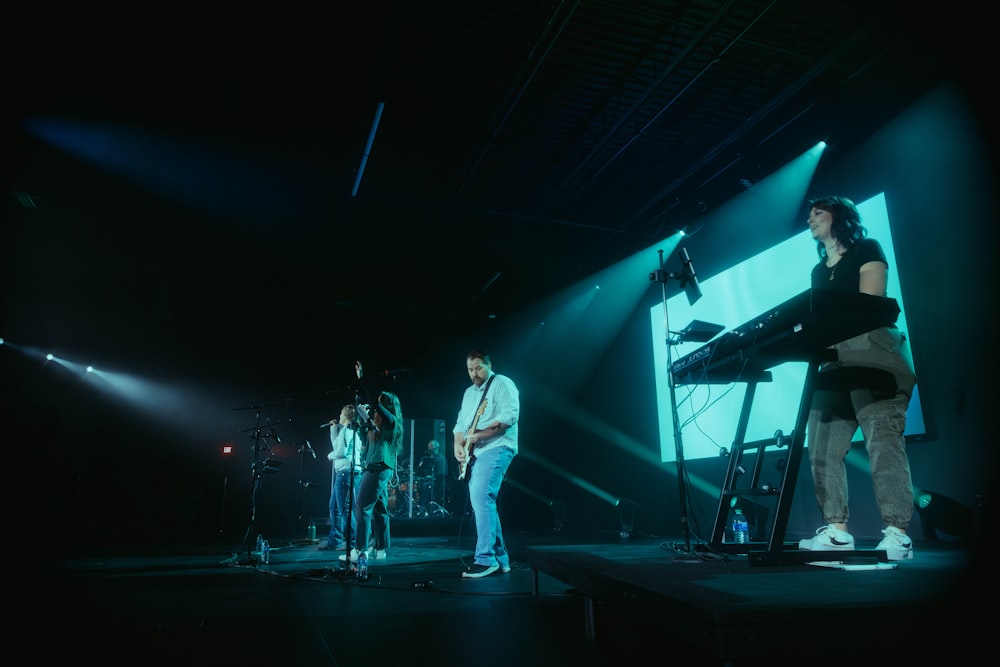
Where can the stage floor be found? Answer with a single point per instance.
(570, 599)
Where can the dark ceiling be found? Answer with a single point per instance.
(191, 167)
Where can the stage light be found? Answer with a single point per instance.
(626, 516)
(943, 518)
(558, 514)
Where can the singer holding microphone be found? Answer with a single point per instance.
(381, 422)
(344, 440)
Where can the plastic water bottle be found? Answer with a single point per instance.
(741, 530)
(362, 565)
(265, 552)
(260, 545)
(311, 532)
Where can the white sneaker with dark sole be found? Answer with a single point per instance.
(896, 544)
(828, 538)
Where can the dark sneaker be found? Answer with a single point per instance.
(480, 571)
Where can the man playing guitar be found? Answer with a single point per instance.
(492, 399)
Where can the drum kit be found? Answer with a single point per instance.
(412, 496)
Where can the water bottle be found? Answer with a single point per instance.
(311, 532)
(265, 552)
(741, 530)
(260, 546)
(362, 565)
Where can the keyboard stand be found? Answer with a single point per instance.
(774, 551)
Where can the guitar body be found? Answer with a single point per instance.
(463, 466)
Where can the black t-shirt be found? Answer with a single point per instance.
(845, 274)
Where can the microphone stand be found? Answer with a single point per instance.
(351, 499)
(685, 277)
(257, 468)
(303, 484)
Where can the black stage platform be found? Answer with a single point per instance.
(591, 599)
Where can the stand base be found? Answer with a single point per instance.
(438, 510)
(343, 571)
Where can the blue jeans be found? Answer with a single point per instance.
(485, 477)
(371, 511)
(340, 509)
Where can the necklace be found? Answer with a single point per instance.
(833, 267)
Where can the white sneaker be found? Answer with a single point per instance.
(896, 544)
(828, 538)
(354, 556)
(380, 554)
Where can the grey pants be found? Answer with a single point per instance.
(879, 408)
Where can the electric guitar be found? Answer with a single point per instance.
(463, 466)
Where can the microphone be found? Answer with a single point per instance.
(310, 448)
(329, 423)
(686, 259)
(395, 371)
(365, 420)
(689, 281)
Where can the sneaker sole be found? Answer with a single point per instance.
(805, 546)
(480, 575)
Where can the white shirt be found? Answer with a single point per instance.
(503, 404)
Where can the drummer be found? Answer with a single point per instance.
(432, 471)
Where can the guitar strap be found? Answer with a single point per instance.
(483, 400)
(485, 389)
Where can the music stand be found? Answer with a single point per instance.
(698, 331)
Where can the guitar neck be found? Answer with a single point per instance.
(464, 465)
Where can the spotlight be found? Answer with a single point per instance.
(943, 518)
(626, 516)
(558, 514)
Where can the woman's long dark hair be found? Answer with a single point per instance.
(390, 402)
(846, 227)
